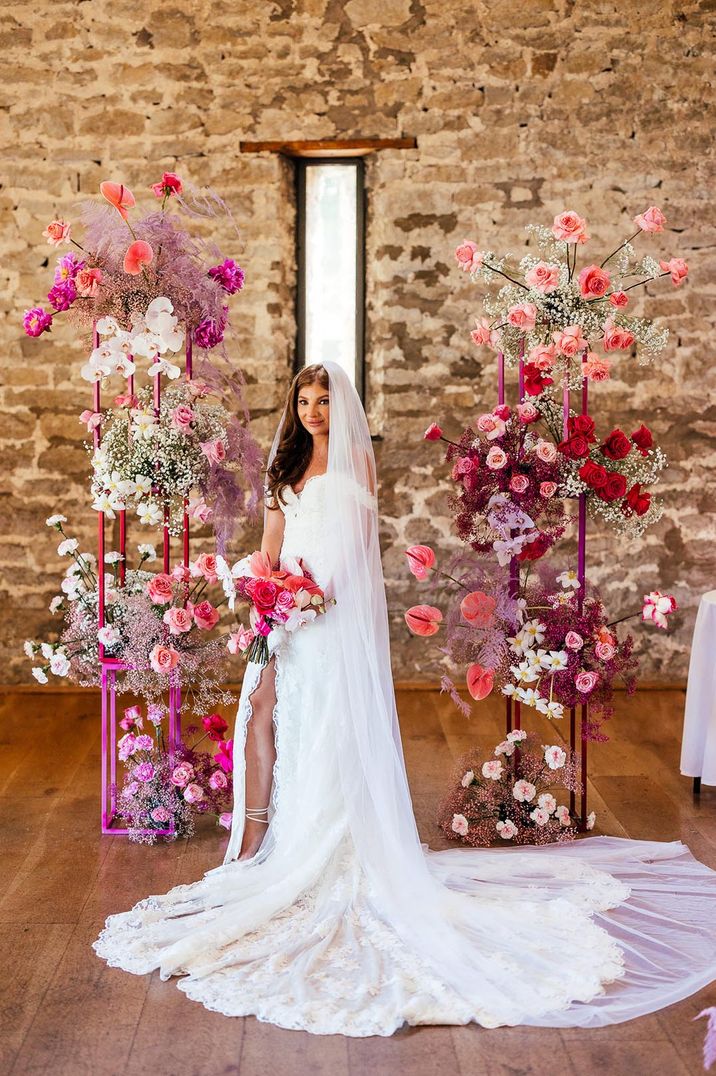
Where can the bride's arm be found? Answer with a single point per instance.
(273, 534)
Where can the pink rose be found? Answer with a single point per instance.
(433, 432)
(205, 615)
(593, 282)
(132, 718)
(213, 450)
(595, 368)
(225, 819)
(543, 356)
(522, 316)
(182, 418)
(502, 411)
(423, 620)
(546, 451)
(160, 589)
(496, 459)
(586, 682)
(468, 257)
(193, 793)
(239, 641)
(573, 640)
(199, 509)
(163, 658)
(218, 780)
(619, 298)
(160, 814)
(527, 413)
(181, 573)
(56, 232)
(182, 774)
(491, 425)
(126, 399)
(420, 559)
(543, 277)
(605, 651)
(651, 221)
(570, 340)
(569, 227)
(286, 600)
(459, 824)
(87, 282)
(178, 620)
(615, 337)
(205, 564)
(678, 268)
(483, 333)
(519, 483)
(547, 489)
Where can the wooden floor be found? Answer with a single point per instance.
(65, 1012)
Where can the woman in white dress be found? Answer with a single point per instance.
(328, 914)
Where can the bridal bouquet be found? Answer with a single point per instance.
(162, 792)
(287, 597)
(509, 797)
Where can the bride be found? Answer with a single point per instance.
(328, 914)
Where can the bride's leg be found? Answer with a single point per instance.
(260, 758)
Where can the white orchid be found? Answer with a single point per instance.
(509, 690)
(551, 708)
(569, 578)
(160, 319)
(163, 366)
(538, 659)
(102, 503)
(94, 371)
(298, 617)
(99, 459)
(518, 644)
(557, 660)
(108, 326)
(150, 514)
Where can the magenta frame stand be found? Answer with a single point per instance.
(111, 666)
(513, 710)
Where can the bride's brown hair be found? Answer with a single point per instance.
(293, 452)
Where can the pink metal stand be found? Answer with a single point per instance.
(111, 666)
(513, 716)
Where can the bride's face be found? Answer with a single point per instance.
(313, 408)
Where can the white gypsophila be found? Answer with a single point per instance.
(551, 248)
(648, 267)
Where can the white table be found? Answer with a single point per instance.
(698, 744)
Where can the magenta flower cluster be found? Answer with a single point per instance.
(228, 275)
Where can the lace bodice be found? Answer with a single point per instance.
(306, 521)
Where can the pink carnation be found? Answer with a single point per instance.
(459, 824)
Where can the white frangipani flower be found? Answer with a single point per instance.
(528, 695)
(523, 673)
(557, 660)
(142, 485)
(533, 631)
(102, 503)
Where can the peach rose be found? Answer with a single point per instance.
(522, 316)
(543, 356)
(519, 483)
(160, 589)
(163, 658)
(546, 451)
(678, 268)
(214, 451)
(87, 282)
(205, 616)
(569, 227)
(468, 257)
(491, 425)
(651, 221)
(596, 368)
(543, 277)
(482, 333)
(619, 298)
(527, 413)
(178, 620)
(423, 619)
(496, 459)
(205, 564)
(547, 489)
(56, 232)
(593, 282)
(569, 341)
(615, 337)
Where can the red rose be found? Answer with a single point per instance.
(638, 502)
(616, 446)
(614, 487)
(215, 726)
(535, 549)
(535, 379)
(575, 448)
(643, 439)
(593, 474)
(264, 595)
(584, 425)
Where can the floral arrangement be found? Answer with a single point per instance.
(550, 314)
(287, 597)
(510, 796)
(163, 793)
(157, 626)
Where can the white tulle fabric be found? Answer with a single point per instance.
(343, 922)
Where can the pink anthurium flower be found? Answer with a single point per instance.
(260, 565)
(138, 254)
(479, 681)
(478, 608)
(420, 559)
(92, 419)
(423, 619)
(118, 195)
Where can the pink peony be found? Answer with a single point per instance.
(619, 298)
(519, 483)
(547, 489)
(225, 819)
(160, 589)
(433, 432)
(193, 793)
(420, 559)
(178, 620)
(496, 459)
(218, 780)
(573, 640)
(653, 220)
(423, 620)
(545, 451)
(182, 418)
(522, 316)
(138, 255)
(569, 227)
(569, 341)
(678, 268)
(527, 413)
(56, 232)
(605, 651)
(585, 682)
(593, 282)
(182, 774)
(480, 681)
(163, 658)
(543, 277)
(214, 451)
(87, 282)
(205, 616)
(468, 257)
(459, 824)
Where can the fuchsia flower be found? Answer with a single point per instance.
(132, 718)
(168, 185)
(678, 268)
(420, 559)
(224, 757)
(657, 607)
(62, 296)
(433, 432)
(228, 276)
(37, 321)
(138, 254)
(569, 227)
(423, 620)
(68, 267)
(56, 232)
(208, 334)
(653, 220)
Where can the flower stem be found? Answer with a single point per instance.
(609, 256)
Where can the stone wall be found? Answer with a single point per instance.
(520, 110)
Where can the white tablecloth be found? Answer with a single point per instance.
(698, 745)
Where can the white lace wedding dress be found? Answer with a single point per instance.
(586, 933)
